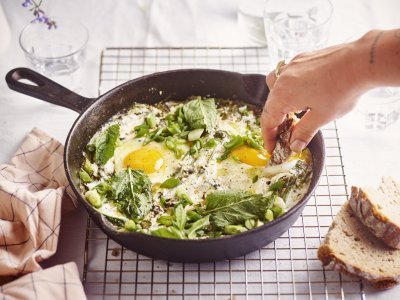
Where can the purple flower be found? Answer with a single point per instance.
(39, 14)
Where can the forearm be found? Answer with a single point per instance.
(377, 58)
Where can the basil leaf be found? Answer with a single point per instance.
(170, 183)
(180, 218)
(199, 224)
(200, 113)
(105, 144)
(168, 232)
(132, 192)
(235, 207)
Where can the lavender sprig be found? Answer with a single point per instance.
(39, 14)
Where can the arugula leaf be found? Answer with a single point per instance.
(170, 183)
(235, 207)
(200, 113)
(191, 232)
(180, 218)
(105, 144)
(132, 192)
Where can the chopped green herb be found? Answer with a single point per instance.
(170, 183)
(195, 134)
(151, 121)
(235, 141)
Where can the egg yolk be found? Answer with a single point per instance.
(250, 156)
(146, 159)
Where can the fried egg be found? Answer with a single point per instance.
(154, 159)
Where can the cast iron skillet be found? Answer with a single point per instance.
(177, 84)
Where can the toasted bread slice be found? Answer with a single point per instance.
(379, 210)
(350, 248)
(282, 150)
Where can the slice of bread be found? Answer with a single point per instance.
(350, 248)
(282, 150)
(379, 210)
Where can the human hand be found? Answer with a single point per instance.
(325, 84)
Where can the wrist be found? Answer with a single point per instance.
(362, 60)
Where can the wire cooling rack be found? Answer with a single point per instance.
(288, 268)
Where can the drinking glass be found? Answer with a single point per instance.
(57, 52)
(294, 26)
(380, 107)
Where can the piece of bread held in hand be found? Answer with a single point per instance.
(282, 151)
(379, 210)
(349, 247)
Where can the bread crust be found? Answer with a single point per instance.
(330, 258)
(370, 215)
(282, 150)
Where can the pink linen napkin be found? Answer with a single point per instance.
(34, 192)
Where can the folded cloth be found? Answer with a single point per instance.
(59, 282)
(31, 190)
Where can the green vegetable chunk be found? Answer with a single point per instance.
(93, 198)
(200, 113)
(132, 192)
(234, 229)
(87, 166)
(195, 134)
(235, 207)
(269, 215)
(130, 225)
(84, 176)
(105, 144)
(170, 183)
(165, 220)
(235, 141)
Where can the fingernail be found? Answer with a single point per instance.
(297, 145)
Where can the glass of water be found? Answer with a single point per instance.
(57, 52)
(380, 107)
(293, 26)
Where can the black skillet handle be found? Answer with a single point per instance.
(45, 89)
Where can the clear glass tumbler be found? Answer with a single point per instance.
(293, 26)
(380, 107)
(56, 52)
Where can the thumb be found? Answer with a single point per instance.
(305, 130)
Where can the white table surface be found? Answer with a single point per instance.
(367, 155)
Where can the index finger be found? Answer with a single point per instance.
(272, 116)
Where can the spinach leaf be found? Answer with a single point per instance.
(235, 207)
(200, 113)
(105, 144)
(132, 192)
(199, 224)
